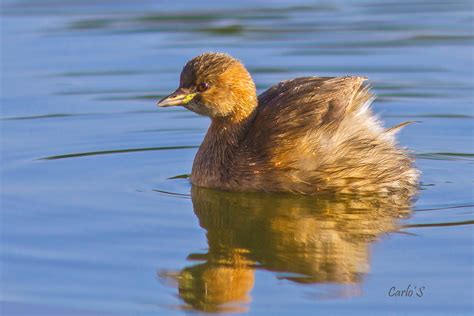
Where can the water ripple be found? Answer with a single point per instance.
(446, 156)
(444, 224)
(116, 151)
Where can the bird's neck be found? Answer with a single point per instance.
(225, 134)
(217, 153)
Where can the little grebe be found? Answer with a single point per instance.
(304, 135)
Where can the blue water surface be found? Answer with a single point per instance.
(91, 224)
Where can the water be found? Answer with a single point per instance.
(92, 224)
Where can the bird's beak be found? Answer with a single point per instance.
(179, 97)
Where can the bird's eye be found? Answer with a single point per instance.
(203, 86)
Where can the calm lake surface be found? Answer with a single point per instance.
(97, 216)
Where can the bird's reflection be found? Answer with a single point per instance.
(322, 239)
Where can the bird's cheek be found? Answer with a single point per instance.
(198, 107)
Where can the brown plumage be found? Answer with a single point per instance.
(304, 135)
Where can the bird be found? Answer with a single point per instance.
(305, 135)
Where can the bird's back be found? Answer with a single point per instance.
(316, 134)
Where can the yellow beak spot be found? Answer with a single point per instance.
(188, 98)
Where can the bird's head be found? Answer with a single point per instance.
(214, 85)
